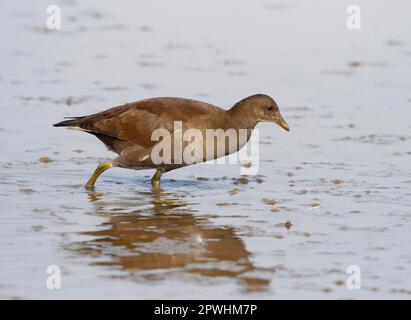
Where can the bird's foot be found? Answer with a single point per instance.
(155, 181)
(99, 170)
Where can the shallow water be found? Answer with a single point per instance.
(333, 192)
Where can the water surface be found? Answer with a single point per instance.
(333, 192)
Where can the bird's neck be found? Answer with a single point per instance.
(238, 119)
(243, 125)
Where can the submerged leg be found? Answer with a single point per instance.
(155, 180)
(99, 170)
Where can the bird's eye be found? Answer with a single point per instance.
(270, 107)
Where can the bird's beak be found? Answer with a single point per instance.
(281, 122)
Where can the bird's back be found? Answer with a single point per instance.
(133, 123)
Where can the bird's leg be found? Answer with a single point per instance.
(155, 180)
(99, 170)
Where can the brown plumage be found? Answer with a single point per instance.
(127, 129)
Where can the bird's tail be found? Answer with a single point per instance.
(72, 122)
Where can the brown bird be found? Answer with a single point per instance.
(129, 130)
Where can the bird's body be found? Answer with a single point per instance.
(128, 129)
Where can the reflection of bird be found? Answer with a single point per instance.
(127, 130)
(161, 232)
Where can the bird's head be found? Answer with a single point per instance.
(262, 108)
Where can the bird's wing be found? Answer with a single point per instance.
(136, 122)
(133, 125)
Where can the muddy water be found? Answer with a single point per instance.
(332, 193)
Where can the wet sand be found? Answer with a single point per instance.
(333, 192)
